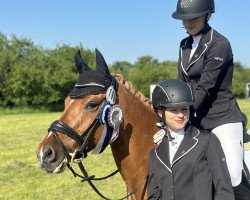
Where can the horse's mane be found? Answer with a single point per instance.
(134, 91)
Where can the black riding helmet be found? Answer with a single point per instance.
(189, 9)
(172, 93)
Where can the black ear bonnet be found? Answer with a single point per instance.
(92, 81)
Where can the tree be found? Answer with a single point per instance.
(121, 67)
(31, 75)
(148, 71)
(241, 76)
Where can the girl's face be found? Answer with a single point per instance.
(193, 26)
(176, 118)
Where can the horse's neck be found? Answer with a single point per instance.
(131, 150)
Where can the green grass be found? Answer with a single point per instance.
(21, 177)
(245, 107)
(31, 109)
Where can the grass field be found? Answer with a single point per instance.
(21, 177)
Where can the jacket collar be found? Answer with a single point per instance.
(188, 143)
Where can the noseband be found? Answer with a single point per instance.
(60, 126)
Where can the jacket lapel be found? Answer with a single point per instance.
(185, 52)
(162, 153)
(188, 143)
(202, 47)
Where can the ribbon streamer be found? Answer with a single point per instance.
(111, 117)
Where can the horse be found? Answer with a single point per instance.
(103, 107)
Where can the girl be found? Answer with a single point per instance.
(188, 163)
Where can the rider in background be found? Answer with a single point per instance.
(188, 163)
(206, 63)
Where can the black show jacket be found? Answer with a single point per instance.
(209, 72)
(198, 164)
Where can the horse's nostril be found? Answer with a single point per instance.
(49, 155)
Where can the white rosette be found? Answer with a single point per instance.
(114, 119)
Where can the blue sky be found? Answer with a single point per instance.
(122, 30)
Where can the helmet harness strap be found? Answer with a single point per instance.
(165, 128)
(207, 17)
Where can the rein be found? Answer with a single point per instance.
(60, 126)
(89, 179)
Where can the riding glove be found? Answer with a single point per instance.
(158, 136)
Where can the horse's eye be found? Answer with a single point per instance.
(92, 105)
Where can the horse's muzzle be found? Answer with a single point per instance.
(50, 160)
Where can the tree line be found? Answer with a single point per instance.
(33, 75)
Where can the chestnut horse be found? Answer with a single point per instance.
(79, 128)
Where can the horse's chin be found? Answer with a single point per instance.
(55, 169)
(61, 167)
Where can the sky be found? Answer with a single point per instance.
(123, 30)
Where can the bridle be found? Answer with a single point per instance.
(78, 155)
(60, 126)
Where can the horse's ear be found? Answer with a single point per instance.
(80, 64)
(101, 64)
